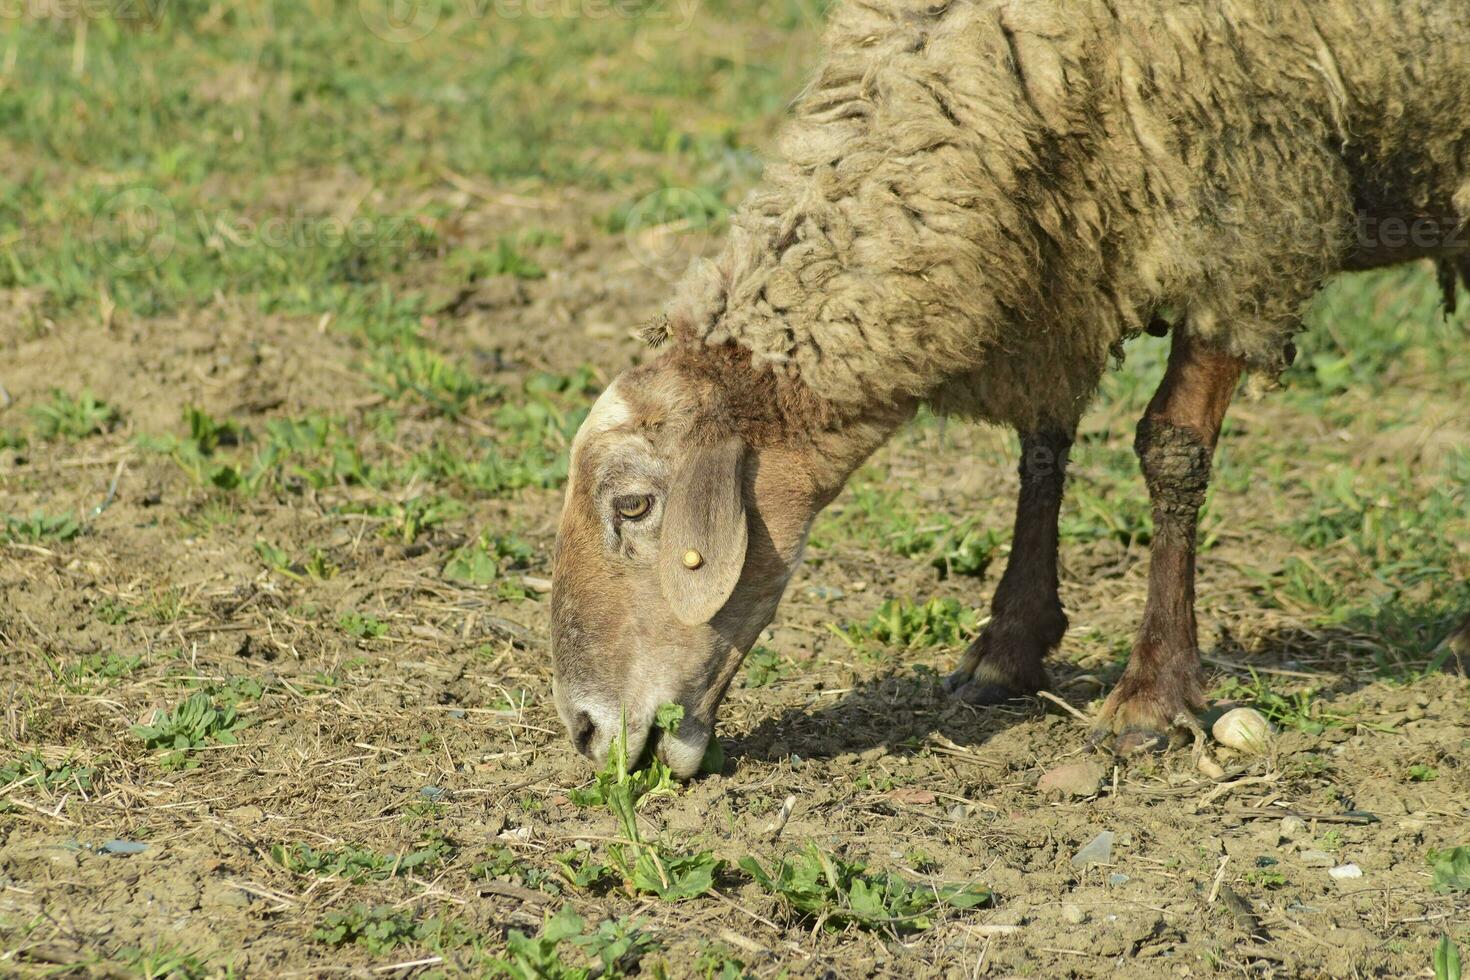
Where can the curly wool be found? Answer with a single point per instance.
(977, 204)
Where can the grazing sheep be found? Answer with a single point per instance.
(975, 206)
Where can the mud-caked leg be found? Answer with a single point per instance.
(1026, 618)
(1160, 689)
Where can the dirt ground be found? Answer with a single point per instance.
(441, 729)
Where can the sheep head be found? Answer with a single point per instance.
(678, 536)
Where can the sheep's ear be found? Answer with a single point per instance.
(702, 547)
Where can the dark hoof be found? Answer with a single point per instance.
(1139, 741)
(988, 695)
(1129, 742)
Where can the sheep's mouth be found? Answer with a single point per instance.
(682, 753)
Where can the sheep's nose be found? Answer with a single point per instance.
(582, 729)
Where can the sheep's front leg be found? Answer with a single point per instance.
(1160, 688)
(1026, 618)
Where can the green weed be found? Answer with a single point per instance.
(1451, 869)
(163, 962)
(68, 417)
(360, 864)
(764, 666)
(1446, 960)
(316, 565)
(904, 625)
(381, 929)
(411, 370)
(836, 893)
(486, 559)
(39, 527)
(613, 950)
(361, 625)
(32, 770)
(95, 669)
(1300, 710)
(408, 519)
(501, 259)
(196, 723)
(645, 867)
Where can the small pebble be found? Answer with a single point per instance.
(1074, 914)
(1293, 827)
(1243, 729)
(1117, 880)
(1414, 713)
(1346, 872)
(1210, 767)
(1075, 779)
(1316, 859)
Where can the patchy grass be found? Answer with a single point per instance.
(301, 321)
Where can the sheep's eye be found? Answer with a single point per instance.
(633, 508)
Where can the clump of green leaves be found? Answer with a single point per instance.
(487, 558)
(612, 950)
(644, 866)
(1421, 773)
(196, 723)
(408, 519)
(195, 452)
(411, 370)
(68, 417)
(837, 893)
(95, 669)
(1269, 878)
(764, 666)
(41, 527)
(361, 625)
(879, 517)
(361, 864)
(618, 781)
(940, 622)
(503, 259)
(380, 929)
(505, 865)
(163, 962)
(32, 770)
(316, 566)
(1451, 868)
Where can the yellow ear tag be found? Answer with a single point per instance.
(693, 559)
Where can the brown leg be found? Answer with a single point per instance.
(1026, 618)
(1458, 643)
(1160, 688)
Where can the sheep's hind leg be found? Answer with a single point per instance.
(1160, 688)
(1026, 617)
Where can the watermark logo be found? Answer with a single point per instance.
(400, 21)
(670, 228)
(140, 14)
(135, 230)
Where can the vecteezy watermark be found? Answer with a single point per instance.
(135, 230)
(1426, 234)
(670, 228)
(140, 14)
(400, 21)
(221, 232)
(406, 21)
